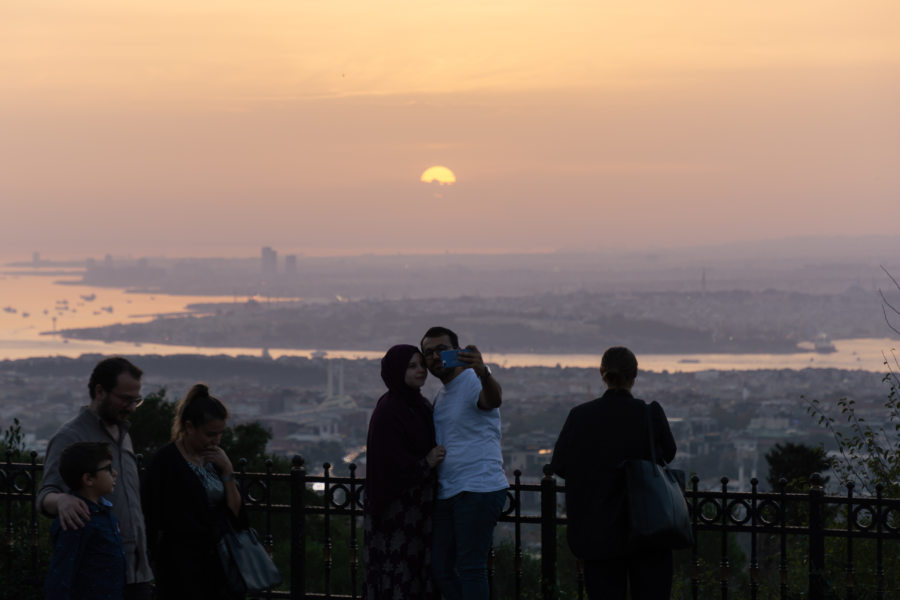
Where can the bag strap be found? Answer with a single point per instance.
(650, 433)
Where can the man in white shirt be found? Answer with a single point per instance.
(471, 482)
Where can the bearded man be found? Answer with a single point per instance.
(115, 391)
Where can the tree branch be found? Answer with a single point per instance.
(888, 273)
(888, 321)
(885, 304)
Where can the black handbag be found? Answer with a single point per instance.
(248, 567)
(658, 516)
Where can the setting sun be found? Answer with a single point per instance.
(442, 175)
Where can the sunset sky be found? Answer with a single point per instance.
(201, 126)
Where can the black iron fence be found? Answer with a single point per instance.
(750, 545)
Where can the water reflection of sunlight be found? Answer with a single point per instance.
(69, 305)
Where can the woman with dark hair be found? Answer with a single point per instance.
(401, 456)
(189, 496)
(596, 438)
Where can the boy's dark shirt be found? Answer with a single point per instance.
(88, 562)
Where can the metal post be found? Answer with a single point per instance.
(517, 528)
(354, 544)
(327, 561)
(724, 564)
(695, 552)
(298, 529)
(816, 539)
(879, 516)
(10, 540)
(848, 569)
(548, 535)
(754, 554)
(268, 540)
(34, 516)
(782, 537)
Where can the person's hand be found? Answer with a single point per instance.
(72, 511)
(219, 459)
(435, 456)
(472, 357)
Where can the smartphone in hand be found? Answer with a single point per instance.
(450, 358)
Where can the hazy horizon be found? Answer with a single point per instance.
(874, 249)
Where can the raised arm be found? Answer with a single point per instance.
(491, 395)
(219, 458)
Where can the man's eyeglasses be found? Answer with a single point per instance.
(436, 350)
(135, 402)
(108, 468)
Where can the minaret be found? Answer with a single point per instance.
(330, 385)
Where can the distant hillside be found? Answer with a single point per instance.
(659, 322)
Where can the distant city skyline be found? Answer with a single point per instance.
(202, 128)
(872, 249)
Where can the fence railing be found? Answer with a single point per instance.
(808, 544)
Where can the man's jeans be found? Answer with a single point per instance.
(463, 532)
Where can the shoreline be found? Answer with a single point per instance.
(71, 335)
(324, 356)
(867, 355)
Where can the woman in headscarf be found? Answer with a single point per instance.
(401, 461)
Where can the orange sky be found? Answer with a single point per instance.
(177, 127)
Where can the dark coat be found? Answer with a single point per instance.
(183, 531)
(596, 438)
(401, 433)
(88, 562)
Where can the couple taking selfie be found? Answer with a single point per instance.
(435, 485)
(423, 540)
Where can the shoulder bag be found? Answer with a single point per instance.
(657, 512)
(248, 567)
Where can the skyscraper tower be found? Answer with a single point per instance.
(269, 262)
(290, 264)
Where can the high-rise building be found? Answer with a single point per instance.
(290, 264)
(269, 261)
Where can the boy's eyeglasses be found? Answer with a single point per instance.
(108, 468)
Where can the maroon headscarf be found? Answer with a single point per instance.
(401, 433)
(393, 369)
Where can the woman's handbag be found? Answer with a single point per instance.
(248, 567)
(658, 515)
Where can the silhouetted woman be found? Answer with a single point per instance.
(189, 494)
(401, 456)
(596, 438)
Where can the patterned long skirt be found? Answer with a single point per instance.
(398, 548)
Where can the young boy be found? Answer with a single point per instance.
(89, 562)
